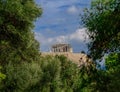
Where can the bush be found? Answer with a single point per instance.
(50, 78)
(49, 74)
(20, 77)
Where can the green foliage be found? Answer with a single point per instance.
(2, 76)
(19, 77)
(50, 74)
(50, 78)
(26, 71)
(107, 80)
(69, 74)
(88, 75)
(17, 22)
(113, 61)
(113, 71)
(102, 21)
(16, 38)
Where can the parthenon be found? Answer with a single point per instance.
(61, 48)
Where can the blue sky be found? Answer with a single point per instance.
(60, 23)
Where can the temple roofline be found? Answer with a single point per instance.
(61, 48)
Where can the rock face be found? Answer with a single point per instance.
(65, 49)
(78, 58)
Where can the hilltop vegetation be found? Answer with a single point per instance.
(50, 74)
(22, 69)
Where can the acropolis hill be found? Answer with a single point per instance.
(66, 50)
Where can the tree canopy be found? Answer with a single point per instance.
(16, 24)
(103, 23)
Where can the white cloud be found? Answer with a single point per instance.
(72, 10)
(79, 36)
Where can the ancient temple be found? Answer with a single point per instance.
(61, 48)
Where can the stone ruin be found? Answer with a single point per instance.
(61, 48)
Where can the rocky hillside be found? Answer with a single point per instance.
(78, 58)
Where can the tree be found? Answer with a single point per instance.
(69, 74)
(109, 80)
(113, 71)
(17, 41)
(2, 76)
(103, 23)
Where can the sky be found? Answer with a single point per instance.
(60, 23)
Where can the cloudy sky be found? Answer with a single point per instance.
(60, 23)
